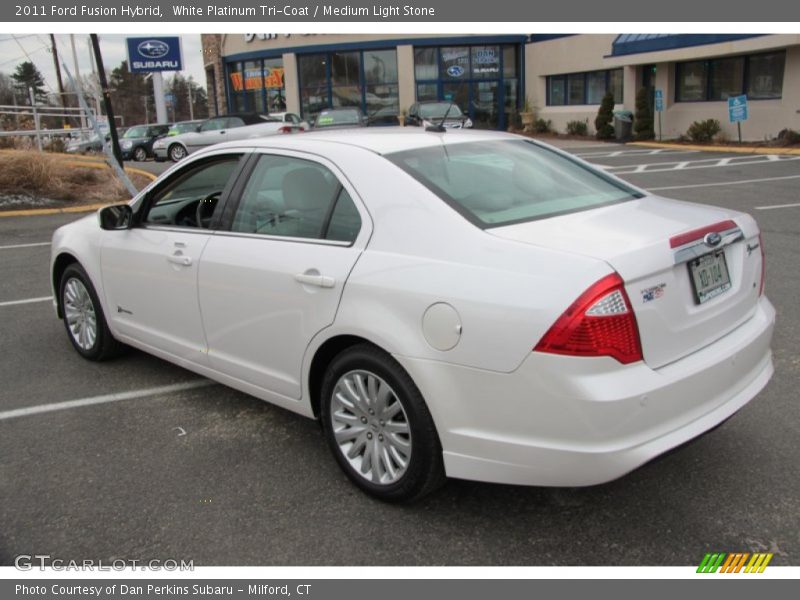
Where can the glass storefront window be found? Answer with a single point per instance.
(558, 91)
(426, 65)
(380, 66)
(692, 81)
(595, 87)
(275, 84)
(575, 88)
(313, 69)
(765, 75)
(727, 78)
(254, 86)
(427, 92)
(345, 68)
(485, 62)
(510, 62)
(455, 63)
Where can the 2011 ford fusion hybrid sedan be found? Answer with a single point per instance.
(466, 304)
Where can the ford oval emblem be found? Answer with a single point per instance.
(153, 48)
(455, 71)
(712, 239)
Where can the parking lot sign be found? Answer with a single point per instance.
(737, 108)
(659, 101)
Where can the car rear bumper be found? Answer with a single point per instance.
(566, 421)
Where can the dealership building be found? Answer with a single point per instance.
(563, 77)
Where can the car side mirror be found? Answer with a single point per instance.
(115, 217)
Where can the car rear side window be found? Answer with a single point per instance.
(292, 197)
(495, 183)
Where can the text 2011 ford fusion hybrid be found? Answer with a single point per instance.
(466, 304)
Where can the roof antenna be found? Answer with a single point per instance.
(440, 127)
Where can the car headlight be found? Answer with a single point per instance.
(468, 123)
(127, 144)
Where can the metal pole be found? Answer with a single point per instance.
(101, 74)
(191, 101)
(77, 71)
(58, 75)
(739, 127)
(36, 119)
(660, 132)
(146, 112)
(158, 95)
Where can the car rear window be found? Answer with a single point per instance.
(495, 183)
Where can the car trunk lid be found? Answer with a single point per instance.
(676, 282)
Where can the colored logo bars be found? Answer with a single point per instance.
(734, 562)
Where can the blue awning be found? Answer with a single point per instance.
(635, 43)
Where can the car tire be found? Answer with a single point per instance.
(140, 154)
(378, 426)
(83, 316)
(177, 152)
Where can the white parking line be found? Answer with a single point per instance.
(26, 301)
(105, 399)
(11, 246)
(796, 204)
(740, 182)
(706, 163)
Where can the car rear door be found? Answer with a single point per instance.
(273, 278)
(150, 271)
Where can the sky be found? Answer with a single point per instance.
(13, 49)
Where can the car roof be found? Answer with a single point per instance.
(380, 140)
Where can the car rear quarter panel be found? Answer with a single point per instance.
(506, 293)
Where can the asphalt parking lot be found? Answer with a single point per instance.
(212, 475)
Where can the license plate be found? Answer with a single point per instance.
(709, 274)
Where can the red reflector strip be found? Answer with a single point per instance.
(698, 234)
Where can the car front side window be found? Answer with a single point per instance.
(190, 198)
(292, 197)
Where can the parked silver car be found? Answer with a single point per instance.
(226, 128)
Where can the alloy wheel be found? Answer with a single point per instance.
(80, 313)
(371, 427)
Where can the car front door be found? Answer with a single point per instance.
(213, 131)
(273, 277)
(150, 270)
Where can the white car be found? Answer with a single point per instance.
(228, 128)
(468, 304)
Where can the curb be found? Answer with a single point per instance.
(731, 149)
(31, 212)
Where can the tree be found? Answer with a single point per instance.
(603, 123)
(129, 93)
(643, 122)
(27, 76)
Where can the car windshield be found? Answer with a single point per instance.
(136, 132)
(438, 110)
(494, 183)
(338, 117)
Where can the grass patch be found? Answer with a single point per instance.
(55, 177)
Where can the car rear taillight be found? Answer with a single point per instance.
(285, 129)
(763, 264)
(599, 323)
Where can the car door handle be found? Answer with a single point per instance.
(317, 280)
(179, 259)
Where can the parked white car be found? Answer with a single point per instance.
(226, 128)
(470, 303)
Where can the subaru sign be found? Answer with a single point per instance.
(146, 55)
(737, 108)
(455, 71)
